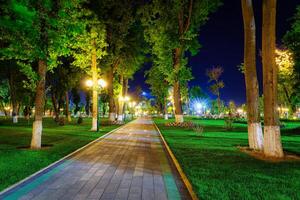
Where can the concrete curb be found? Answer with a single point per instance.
(60, 160)
(178, 167)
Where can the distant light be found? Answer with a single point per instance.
(198, 106)
(127, 98)
(240, 110)
(89, 83)
(102, 83)
(144, 93)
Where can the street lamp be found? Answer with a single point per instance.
(124, 100)
(101, 84)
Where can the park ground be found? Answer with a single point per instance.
(212, 160)
(17, 161)
(217, 168)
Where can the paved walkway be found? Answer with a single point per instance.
(130, 163)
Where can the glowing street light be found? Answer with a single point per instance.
(101, 84)
(89, 83)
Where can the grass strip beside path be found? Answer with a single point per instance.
(218, 170)
(17, 162)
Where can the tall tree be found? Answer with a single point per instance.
(255, 136)
(214, 75)
(272, 138)
(159, 88)
(287, 78)
(131, 59)
(88, 50)
(172, 28)
(36, 33)
(292, 42)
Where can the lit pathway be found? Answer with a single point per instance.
(130, 163)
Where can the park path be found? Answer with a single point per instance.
(130, 163)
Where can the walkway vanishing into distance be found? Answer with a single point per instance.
(130, 163)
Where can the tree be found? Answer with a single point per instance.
(159, 88)
(60, 80)
(4, 96)
(292, 42)
(36, 33)
(171, 28)
(214, 75)
(287, 78)
(255, 136)
(196, 92)
(88, 50)
(131, 59)
(272, 138)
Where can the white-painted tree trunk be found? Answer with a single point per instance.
(166, 116)
(255, 136)
(179, 118)
(120, 118)
(272, 142)
(112, 117)
(15, 119)
(94, 124)
(36, 134)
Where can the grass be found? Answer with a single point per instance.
(218, 170)
(16, 163)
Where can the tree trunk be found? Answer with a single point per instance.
(55, 107)
(110, 88)
(166, 109)
(68, 114)
(176, 87)
(255, 136)
(13, 96)
(272, 138)
(125, 91)
(121, 101)
(219, 101)
(95, 89)
(39, 106)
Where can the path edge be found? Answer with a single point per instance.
(178, 167)
(62, 159)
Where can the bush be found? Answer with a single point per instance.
(61, 121)
(198, 129)
(79, 120)
(228, 123)
(180, 124)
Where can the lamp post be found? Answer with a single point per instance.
(101, 84)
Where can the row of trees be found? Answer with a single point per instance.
(164, 46)
(50, 46)
(270, 141)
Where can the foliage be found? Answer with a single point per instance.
(292, 42)
(163, 22)
(214, 76)
(197, 92)
(158, 85)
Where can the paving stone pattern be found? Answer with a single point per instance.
(131, 163)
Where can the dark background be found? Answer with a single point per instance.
(222, 44)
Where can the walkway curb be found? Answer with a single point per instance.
(60, 160)
(178, 167)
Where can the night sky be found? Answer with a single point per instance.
(222, 44)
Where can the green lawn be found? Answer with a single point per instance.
(218, 170)
(17, 163)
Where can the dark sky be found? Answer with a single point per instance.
(222, 44)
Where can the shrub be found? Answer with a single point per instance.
(228, 123)
(79, 120)
(198, 129)
(61, 121)
(180, 124)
